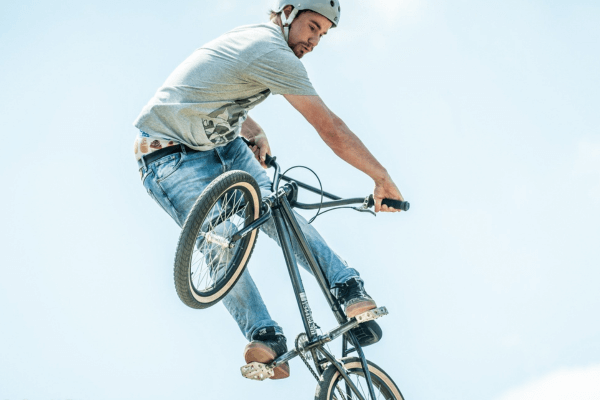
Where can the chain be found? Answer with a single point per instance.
(312, 371)
(301, 354)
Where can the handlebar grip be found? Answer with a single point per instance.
(268, 160)
(397, 204)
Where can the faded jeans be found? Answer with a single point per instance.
(175, 182)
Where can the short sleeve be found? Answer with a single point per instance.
(282, 72)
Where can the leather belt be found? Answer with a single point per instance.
(158, 154)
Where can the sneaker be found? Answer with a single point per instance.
(354, 298)
(267, 345)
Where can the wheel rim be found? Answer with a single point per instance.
(340, 391)
(210, 262)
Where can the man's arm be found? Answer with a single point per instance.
(346, 145)
(255, 135)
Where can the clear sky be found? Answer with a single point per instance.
(485, 114)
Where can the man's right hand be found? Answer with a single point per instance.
(260, 148)
(259, 144)
(386, 189)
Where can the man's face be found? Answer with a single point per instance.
(306, 32)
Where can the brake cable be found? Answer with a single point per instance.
(320, 187)
(360, 209)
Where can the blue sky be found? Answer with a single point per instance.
(485, 114)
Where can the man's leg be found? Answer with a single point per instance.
(175, 182)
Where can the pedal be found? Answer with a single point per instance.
(257, 371)
(371, 314)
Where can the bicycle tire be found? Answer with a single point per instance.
(209, 218)
(333, 386)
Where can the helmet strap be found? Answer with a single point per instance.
(287, 22)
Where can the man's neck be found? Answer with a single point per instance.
(277, 21)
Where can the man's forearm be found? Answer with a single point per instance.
(346, 145)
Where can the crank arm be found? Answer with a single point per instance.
(340, 330)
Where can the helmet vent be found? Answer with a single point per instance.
(332, 3)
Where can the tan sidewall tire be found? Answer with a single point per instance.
(331, 376)
(225, 289)
(193, 223)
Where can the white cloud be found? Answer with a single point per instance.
(566, 384)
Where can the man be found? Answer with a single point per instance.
(189, 135)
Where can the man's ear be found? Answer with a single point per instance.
(287, 10)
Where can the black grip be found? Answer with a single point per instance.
(397, 204)
(268, 158)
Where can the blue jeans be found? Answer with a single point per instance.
(175, 182)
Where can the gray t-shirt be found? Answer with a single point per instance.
(207, 98)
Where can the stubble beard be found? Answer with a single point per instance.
(299, 49)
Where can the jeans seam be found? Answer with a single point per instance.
(145, 173)
(154, 196)
(223, 166)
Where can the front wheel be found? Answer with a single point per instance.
(332, 385)
(207, 264)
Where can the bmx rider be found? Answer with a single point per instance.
(189, 135)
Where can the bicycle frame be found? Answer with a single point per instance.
(279, 208)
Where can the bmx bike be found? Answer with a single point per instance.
(214, 247)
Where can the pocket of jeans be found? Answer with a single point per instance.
(166, 166)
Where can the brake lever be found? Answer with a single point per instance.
(366, 205)
(362, 209)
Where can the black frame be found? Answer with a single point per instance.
(278, 206)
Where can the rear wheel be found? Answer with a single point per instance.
(207, 265)
(332, 385)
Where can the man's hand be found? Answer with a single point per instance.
(260, 147)
(256, 136)
(386, 189)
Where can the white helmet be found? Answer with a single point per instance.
(330, 9)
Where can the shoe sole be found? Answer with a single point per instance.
(258, 352)
(359, 308)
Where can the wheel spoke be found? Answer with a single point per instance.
(206, 262)
(362, 390)
(343, 392)
(210, 262)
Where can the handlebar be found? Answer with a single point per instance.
(397, 204)
(338, 201)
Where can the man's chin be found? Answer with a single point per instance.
(299, 51)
